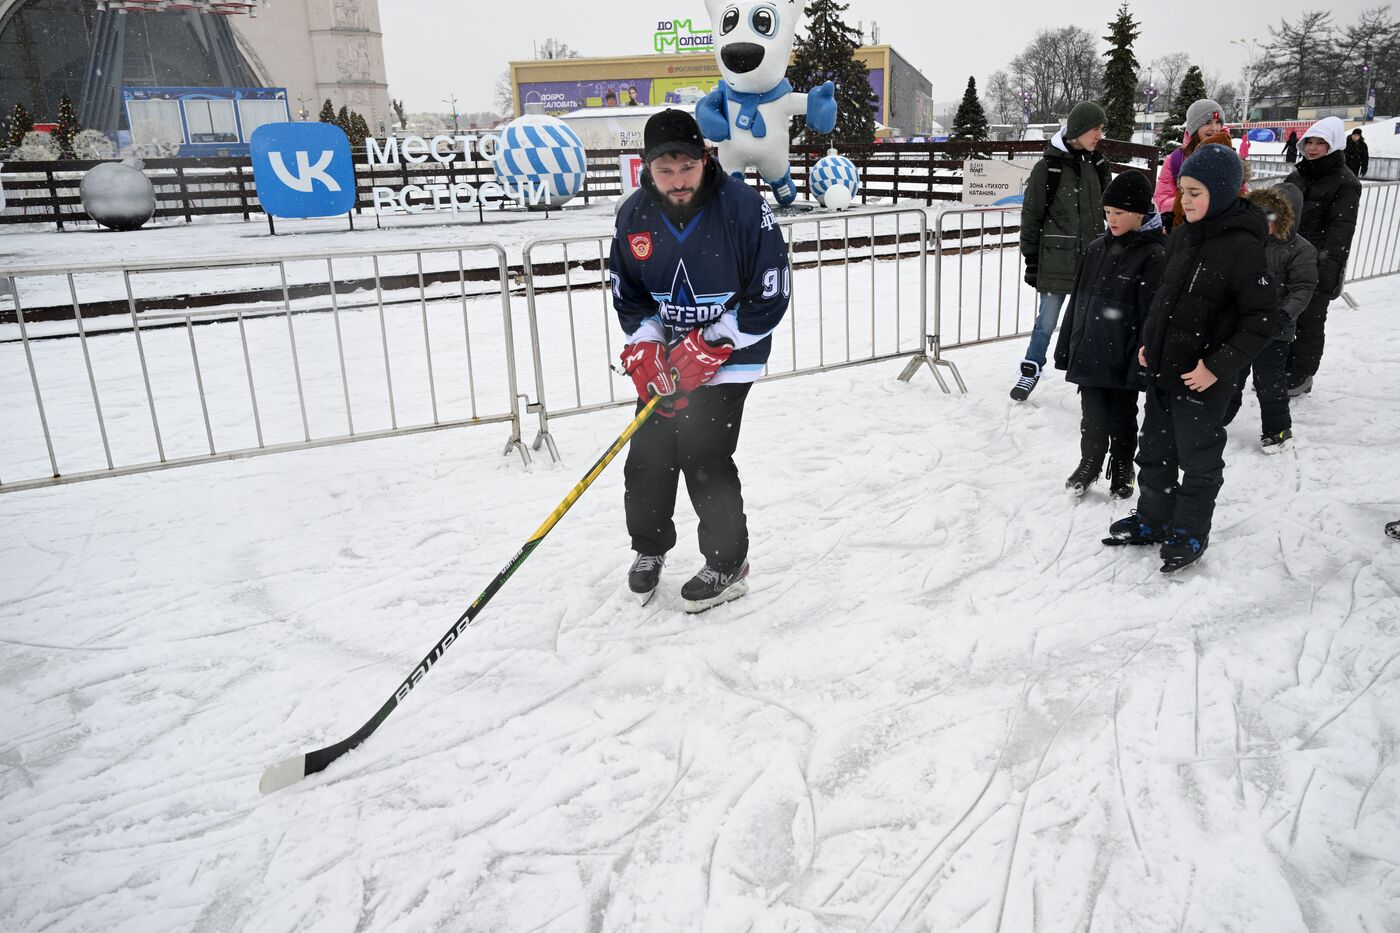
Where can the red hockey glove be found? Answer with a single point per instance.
(646, 363)
(696, 360)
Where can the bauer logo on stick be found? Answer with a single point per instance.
(641, 246)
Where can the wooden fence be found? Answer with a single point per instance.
(47, 192)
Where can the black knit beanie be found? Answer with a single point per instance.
(1220, 170)
(1130, 191)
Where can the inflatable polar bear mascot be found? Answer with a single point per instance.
(748, 114)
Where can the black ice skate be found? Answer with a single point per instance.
(1030, 375)
(710, 587)
(1182, 550)
(645, 575)
(1393, 529)
(1120, 478)
(1135, 529)
(1084, 476)
(1276, 443)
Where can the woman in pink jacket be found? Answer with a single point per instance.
(1204, 119)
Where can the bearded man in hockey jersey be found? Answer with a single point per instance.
(700, 279)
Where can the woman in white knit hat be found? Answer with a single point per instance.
(1331, 201)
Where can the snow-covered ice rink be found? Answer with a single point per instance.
(944, 706)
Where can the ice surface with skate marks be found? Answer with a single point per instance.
(942, 706)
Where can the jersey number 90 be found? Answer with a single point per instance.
(771, 279)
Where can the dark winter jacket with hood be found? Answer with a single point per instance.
(1292, 260)
(1358, 156)
(1055, 236)
(1216, 302)
(1331, 201)
(1102, 330)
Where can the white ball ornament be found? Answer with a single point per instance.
(837, 198)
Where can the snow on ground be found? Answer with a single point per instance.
(943, 706)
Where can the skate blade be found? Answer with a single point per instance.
(734, 591)
(645, 598)
(1277, 448)
(1075, 493)
(1171, 567)
(1127, 542)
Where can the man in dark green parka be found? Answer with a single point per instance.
(1061, 215)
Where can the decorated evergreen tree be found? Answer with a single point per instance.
(342, 119)
(359, 131)
(827, 53)
(20, 123)
(1120, 76)
(327, 112)
(970, 122)
(67, 126)
(1191, 89)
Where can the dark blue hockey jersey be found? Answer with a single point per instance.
(725, 271)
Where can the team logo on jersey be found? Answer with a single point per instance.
(684, 308)
(641, 246)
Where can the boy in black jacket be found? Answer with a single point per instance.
(1103, 329)
(1210, 317)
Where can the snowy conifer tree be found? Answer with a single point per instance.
(1191, 89)
(1120, 76)
(827, 53)
(970, 122)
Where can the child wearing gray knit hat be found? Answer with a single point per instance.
(1202, 112)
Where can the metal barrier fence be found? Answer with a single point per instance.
(258, 379)
(874, 263)
(1276, 166)
(977, 259)
(1375, 248)
(979, 295)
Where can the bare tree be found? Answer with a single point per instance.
(1002, 97)
(505, 95)
(1165, 73)
(1060, 67)
(1300, 57)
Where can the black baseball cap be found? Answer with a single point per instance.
(672, 131)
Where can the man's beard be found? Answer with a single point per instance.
(680, 212)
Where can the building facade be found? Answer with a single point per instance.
(562, 85)
(316, 49)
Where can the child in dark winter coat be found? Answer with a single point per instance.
(1212, 314)
(1103, 328)
(1293, 268)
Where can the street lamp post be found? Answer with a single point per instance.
(302, 112)
(1369, 99)
(1250, 48)
(1025, 111)
(453, 101)
(1150, 92)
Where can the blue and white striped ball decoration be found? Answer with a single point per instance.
(536, 147)
(834, 169)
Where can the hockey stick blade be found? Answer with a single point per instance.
(283, 774)
(291, 770)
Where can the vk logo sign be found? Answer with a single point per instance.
(303, 169)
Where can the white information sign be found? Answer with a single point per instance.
(994, 181)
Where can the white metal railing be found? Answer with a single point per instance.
(859, 295)
(183, 386)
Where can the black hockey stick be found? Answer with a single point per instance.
(287, 772)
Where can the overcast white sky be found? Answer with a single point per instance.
(435, 48)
